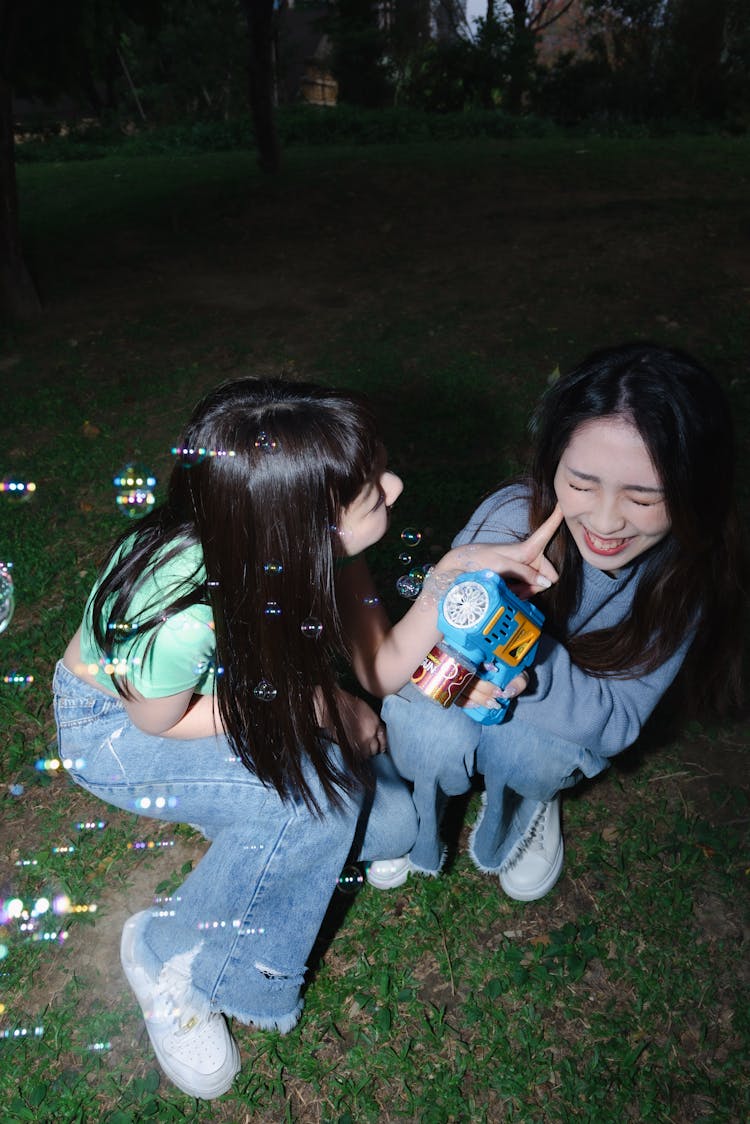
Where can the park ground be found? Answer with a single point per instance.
(451, 283)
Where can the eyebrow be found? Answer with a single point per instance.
(627, 487)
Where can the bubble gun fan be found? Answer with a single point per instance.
(488, 633)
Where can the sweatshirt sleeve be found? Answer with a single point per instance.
(604, 714)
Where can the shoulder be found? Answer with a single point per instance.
(502, 516)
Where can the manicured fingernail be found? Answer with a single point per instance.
(545, 583)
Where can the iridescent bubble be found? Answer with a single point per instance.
(266, 443)
(419, 573)
(7, 598)
(350, 879)
(134, 490)
(272, 609)
(311, 627)
(188, 457)
(411, 536)
(273, 567)
(404, 558)
(264, 691)
(16, 490)
(121, 627)
(17, 679)
(371, 602)
(408, 587)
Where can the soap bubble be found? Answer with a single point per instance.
(419, 573)
(350, 879)
(17, 489)
(188, 457)
(264, 691)
(411, 536)
(7, 599)
(408, 587)
(134, 495)
(371, 602)
(404, 558)
(311, 627)
(272, 609)
(273, 567)
(265, 443)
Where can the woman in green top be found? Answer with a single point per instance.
(201, 688)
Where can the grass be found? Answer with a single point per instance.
(449, 282)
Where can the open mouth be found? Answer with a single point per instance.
(605, 547)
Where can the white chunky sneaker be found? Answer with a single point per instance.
(540, 865)
(387, 874)
(196, 1051)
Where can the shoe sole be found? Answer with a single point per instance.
(204, 1092)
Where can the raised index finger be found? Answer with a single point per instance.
(539, 540)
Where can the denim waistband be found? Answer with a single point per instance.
(72, 691)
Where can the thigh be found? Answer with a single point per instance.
(531, 761)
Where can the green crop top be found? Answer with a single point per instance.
(183, 653)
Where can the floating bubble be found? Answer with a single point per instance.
(150, 844)
(411, 536)
(16, 789)
(264, 691)
(23, 1032)
(188, 457)
(404, 559)
(266, 443)
(91, 825)
(122, 628)
(16, 680)
(7, 598)
(419, 573)
(99, 1047)
(350, 879)
(273, 567)
(17, 489)
(371, 602)
(134, 495)
(272, 609)
(408, 587)
(311, 627)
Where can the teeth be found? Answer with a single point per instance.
(606, 544)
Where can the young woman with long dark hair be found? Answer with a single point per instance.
(635, 447)
(201, 687)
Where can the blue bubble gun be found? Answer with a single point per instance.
(489, 633)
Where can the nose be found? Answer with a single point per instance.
(392, 486)
(606, 518)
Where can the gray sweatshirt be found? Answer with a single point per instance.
(603, 714)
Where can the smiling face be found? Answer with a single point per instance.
(365, 520)
(610, 493)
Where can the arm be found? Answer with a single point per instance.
(384, 657)
(604, 714)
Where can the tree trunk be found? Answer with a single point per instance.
(18, 295)
(259, 16)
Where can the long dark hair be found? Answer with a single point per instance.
(692, 579)
(263, 471)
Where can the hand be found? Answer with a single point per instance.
(522, 564)
(362, 725)
(482, 693)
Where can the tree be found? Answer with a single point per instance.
(18, 296)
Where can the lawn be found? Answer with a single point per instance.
(449, 282)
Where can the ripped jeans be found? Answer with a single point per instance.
(249, 913)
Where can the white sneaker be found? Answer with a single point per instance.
(387, 874)
(540, 865)
(196, 1052)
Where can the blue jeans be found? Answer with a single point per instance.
(523, 766)
(250, 911)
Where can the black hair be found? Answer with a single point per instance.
(263, 471)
